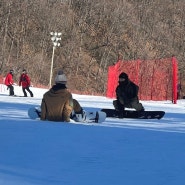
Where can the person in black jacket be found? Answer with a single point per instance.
(126, 95)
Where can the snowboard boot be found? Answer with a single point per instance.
(141, 113)
(79, 116)
(119, 108)
(38, 111)
(97, 117)
(121, 114)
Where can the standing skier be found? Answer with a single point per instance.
(9, 82)
(127, 95)
(25, 82)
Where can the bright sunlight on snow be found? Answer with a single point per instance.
(115, 152)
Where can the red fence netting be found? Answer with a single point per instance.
(157, 79)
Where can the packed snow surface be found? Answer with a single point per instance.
(115, 152)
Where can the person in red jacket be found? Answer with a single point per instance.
(25, 83)
(9, 82)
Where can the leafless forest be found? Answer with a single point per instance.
(95, 33)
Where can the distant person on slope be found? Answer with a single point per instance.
(127, 95)
(58, 104)
(9, 82)
(25, 83)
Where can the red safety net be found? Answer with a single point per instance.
(157, 79)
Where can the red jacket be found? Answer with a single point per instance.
(24, 80)
(9, 79)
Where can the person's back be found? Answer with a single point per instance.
(57, 103)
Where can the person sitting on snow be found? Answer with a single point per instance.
(126, 95)
(58, 104)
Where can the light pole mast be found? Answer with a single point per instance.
(55, 37)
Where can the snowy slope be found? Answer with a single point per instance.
(118, 152)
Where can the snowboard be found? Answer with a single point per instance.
(90, 116)
(135, 114)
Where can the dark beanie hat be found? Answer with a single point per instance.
(123, 75)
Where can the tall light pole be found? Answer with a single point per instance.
(55, 37)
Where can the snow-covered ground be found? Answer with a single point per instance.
(115, 152)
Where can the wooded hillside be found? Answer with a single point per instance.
(95, 33)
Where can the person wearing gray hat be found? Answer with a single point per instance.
(58, 104)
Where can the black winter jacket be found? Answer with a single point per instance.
(126, 93)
